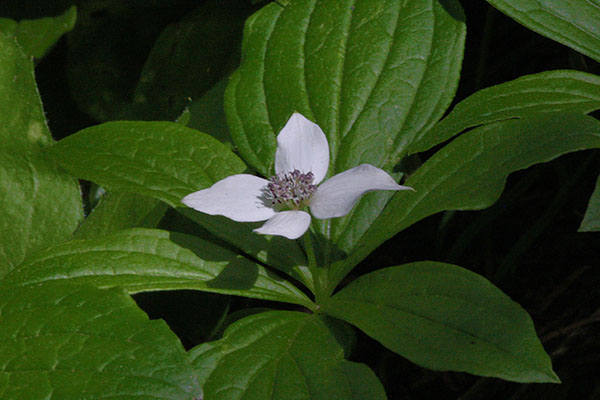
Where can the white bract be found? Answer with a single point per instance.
(301, 163)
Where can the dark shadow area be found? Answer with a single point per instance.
(197, 317)
(31, 9)
(193, 315)
(235, 276)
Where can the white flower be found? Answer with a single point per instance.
(301, 163)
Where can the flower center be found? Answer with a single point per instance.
(292, 189)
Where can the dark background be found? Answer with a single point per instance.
(527, 244)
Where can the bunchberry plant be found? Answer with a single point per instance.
(252, 161)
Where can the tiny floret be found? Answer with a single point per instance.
(293, 189)
(301, 163)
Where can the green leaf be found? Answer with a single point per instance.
(364, 71)
(591, 220)
(67, 342)
(164, 160)
(546, 92)
(470, 172)
(189, 57)
(444, 317)
(150, 259)
(40, 204)
(117, 211)
(282, 355)
(572, 23)
(36, 36)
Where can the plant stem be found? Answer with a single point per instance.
(319, 274)
(310, 252)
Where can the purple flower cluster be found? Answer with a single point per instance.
(292, 188)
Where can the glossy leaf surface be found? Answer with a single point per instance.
(151, 259)
(282, 355)
(444, 317)
(546, 92)
(74, 342)
(572, 23)
(41, 205)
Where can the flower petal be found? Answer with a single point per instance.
(291, 224)
(238, 197)
(337, 196)
(302, 145)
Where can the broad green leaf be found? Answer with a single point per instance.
(591, 220)
(546, 92)
(66, 342)
(470, 172)
(36, 36)
(573, 23)
(370, 74)
(164, 160)
(282, 355)
(445, 317)
(41, 205)
(117, 211)
(167, 161)
(189, 57)
(150, 259)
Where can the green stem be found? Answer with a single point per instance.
(310, 252)
(327, 251)
(319, 274)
